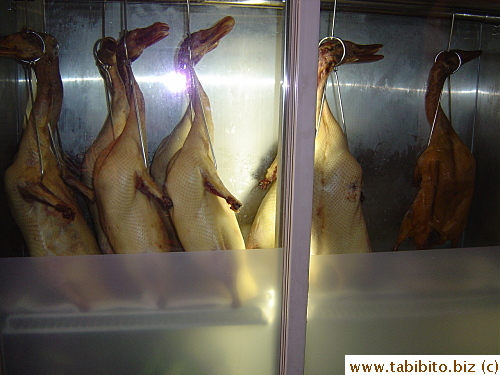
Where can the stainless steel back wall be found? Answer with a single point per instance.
(484, 219)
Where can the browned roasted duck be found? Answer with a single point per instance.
(445, 171)
(127, 197)
(44, 207)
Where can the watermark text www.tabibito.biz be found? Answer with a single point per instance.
(418, 364)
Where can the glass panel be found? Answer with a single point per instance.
(392, 132)
(146, 313)
(411, 302)
(439, 301)
(241, 77)
(195, 312)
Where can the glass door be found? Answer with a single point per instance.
(133, 74)
(365, 297)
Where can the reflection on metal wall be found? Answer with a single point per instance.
(385, 117)
(485, 213)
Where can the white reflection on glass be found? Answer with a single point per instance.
(269, 307)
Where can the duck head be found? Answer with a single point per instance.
(335, 51)
(448, 62)
(199, 43)
(137, 40)
(28, 46)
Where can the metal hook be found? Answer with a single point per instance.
(29, 62)
(449, 81)
(456, 53)
(95, 49)
(197, 93)
(325, 39)
(98, 61)
(344, 128)
(193, 83)
(335, 71)
(107, 82)
(132, 81)
(29, 83)
(440, 94)
(55, 142)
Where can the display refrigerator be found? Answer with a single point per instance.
(141, 138)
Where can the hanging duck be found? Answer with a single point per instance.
(44, 207)
(338, 225)
(191, 51)
(113, 126)
(445, 171)
(128, 200)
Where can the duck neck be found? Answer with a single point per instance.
(47, 89)
(434, 112)
(325, 120)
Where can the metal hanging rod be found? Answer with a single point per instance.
(245, 3)
(449, 84)
(480, 14)
(463, 10)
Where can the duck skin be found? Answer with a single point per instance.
(128, 200)
(191, 51)
(43, 205)
(338, 225)
(445, 171)
(203, 207)
(113, 126)
(262, 233)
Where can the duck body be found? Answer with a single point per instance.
(445, 171)
(129, 202)
(338, 225)
(203, 208)
(44, 207)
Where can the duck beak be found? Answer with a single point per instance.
(203, 41)
(361, 53)
(22, 46)
(467, 56)
(138, 40)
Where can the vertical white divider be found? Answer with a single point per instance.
(299, 90)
